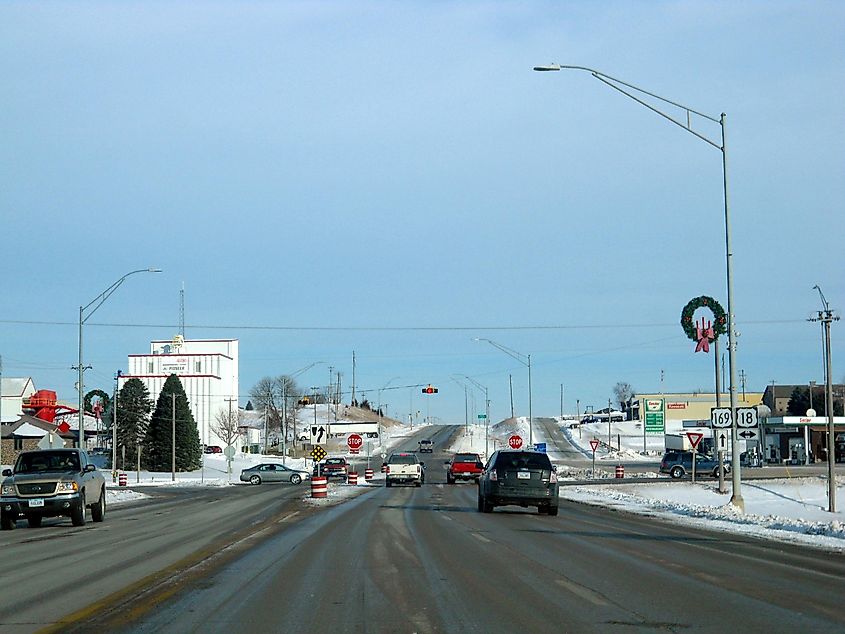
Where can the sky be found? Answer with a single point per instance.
(393, 179)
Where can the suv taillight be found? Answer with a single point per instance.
(494, 477)
(553, 478)
(387, 469)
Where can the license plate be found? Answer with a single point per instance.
(36, 502)
(523, 475)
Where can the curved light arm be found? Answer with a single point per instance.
(305, 369)
(102, 297)
(522, 358)
(616, 83)
(824, 300)
(476, 384)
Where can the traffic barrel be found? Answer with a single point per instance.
(352, 478)
(368, 474)
(319, 487)
(620, 471)
(121, 479)
(383, 467)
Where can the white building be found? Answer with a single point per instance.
(13, 391)
(208, 369)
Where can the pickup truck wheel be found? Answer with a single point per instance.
(387, 483)
(98, 511)
(486, 507)
(552, 510)
(677, 472)
(7, 522)
(34, 521)
(255, 479)
(449, 479)
(418, 483)
(295, 479)
(77, 513)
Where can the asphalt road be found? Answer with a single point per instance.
(424, 560)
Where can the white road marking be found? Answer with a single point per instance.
(581, 591)
(480, 537)
(288, 516)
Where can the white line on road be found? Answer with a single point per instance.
(288, 516)
(480, 537)
(581, 591)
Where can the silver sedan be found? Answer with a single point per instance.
(272, 472)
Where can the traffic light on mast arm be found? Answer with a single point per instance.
(429, 389)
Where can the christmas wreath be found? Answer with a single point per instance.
(90, 396)
(720, 321)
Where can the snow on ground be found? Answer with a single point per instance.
(784, 510)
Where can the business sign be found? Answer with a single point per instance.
(177, 365)
(676, 405)
(655, 416)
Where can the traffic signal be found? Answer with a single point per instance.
(429, 389)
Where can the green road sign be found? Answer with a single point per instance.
(655, 416)
(482, 416)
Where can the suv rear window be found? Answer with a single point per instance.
(523, 460)
(466, 457)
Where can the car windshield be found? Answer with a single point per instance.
(403, 459)
(523, 461)
(47, 461)
(466, 457)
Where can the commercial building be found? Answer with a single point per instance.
(690, 406)
(208, 369)
(13, 392)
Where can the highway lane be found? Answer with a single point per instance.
(424, 560)
(57, 569)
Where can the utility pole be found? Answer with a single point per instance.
(510, 383)
(173, 435)
(353, 377)
(1, 410)
(608, 426)
(114, 428)
(742, 383)
(561, 401)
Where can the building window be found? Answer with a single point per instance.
(149, 367)
(197, 366)
(18, 444)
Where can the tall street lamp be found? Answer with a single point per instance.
(378, 398)
(619, 85)
(486, 414)
(85, 313)
(524, 359)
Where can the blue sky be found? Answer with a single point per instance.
(392, 178)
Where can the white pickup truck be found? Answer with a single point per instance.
(404, 468)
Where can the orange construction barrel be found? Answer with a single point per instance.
(620, 471)
(319, 487)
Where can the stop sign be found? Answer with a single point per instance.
(515, 441)
(354, 441)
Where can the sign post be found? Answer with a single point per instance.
(694, 439)
(594, 444)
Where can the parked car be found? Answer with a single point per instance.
(679, 463)
(426, 446)
(332, 468)
(518, 477)
(464, 466)
(213, 449)
(273, 472)
(50, 483)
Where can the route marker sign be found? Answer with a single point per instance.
(720, 416)
(515, 441)
(694, 438)
(318, 453)
(354, 442)
(594, 444)
(746, 417)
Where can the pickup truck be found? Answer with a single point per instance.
(404, 468)
(50, 483)
(333, 467)
(426, 446)
(464, 466)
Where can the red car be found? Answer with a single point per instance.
(333, 468)
(464, 466)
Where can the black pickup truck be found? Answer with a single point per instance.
(51, 483)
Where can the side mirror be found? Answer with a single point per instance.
(554, 468)
(90, 467)
(7, 472)
(422, 463)
(446, 462)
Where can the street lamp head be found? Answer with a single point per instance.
(153, 270)
(547, 67)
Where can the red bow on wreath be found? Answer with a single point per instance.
(704, 334)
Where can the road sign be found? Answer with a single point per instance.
(64, 428)
(229, 452)
(746, 417)
(515, 441)
(540, 446)
(720, 416)
(384, 455)
(482, 416)
(318, 453)
(319, 434)
(694, 438)
(51, 441)
(354, 442)
(594, 444)
(722, 439)
(749, 434)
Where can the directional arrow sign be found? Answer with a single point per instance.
(722, 440)
(318, 433)
(749, 434)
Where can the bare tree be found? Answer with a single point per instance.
(226, 425)
(276, 398)
(623, 392)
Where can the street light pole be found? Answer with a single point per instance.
(83, 317)
(621, 86)
(486, 414)
(524, 359)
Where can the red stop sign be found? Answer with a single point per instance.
(515, 441)
(354, 441)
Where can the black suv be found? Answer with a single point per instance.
(679, 463)
(523, 478)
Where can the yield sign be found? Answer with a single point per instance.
(694, 438)
(594, 444)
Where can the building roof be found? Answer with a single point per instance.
(31, 427)
(11, 387)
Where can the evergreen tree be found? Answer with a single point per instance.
(156, 453)
(133, 416)
(799, 402)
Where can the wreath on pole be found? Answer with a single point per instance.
(705, 331)
(102, 405)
